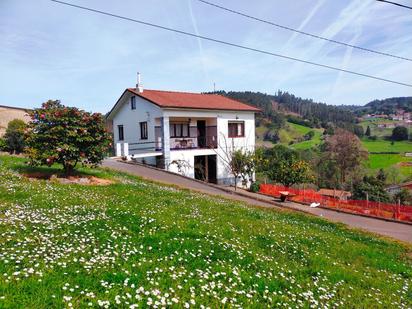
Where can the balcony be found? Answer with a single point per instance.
(192, 139)
(183, 134)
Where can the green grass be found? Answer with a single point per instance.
(136, 242)
(378, 161)
(385, 146)
(387, 161)
(301, 130)
(291, 132)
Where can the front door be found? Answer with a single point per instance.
(201, 133)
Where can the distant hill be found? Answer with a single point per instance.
(315, 114)
(385, 106)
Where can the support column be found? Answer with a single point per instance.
(126, 150)
(166, 141)
(118, 149)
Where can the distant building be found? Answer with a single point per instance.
(397, 188)
(9, 113)
(389, 125)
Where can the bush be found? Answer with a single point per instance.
(308, 136)
(255, 186)
(271, 136)
(66, 135)
(372, 138)
(400, 133)
(14, 136)
(3, 145)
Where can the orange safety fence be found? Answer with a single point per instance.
(376, 209)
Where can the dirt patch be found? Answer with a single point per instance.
(78, 179)
(405, 163)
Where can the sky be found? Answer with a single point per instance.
(51, 51)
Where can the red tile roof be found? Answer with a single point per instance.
(173, 99)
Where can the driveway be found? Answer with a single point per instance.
(394, 230)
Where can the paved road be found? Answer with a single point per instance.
(395, 230)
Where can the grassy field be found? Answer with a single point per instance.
(378, 161)
(140, 244)
(291, 132)
(386, 161)
(307, 144)
(381, 145)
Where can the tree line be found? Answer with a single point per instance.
(315, 114)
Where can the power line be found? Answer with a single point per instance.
(230, 44)
(395, 3)
(303, 32)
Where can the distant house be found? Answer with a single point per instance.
(8, 113)
(186, 133)
(338, 194)
(388, 125)
(397, 188)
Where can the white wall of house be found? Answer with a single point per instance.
(130, 119)
(189, 157)
(224, 141)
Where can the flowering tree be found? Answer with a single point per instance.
(66, 135)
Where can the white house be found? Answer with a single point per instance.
(187, 133)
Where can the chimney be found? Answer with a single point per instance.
(139, 86)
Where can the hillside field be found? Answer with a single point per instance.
(381, 145)
(141, 244)
(291, 132)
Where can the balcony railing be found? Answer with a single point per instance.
(193, 141)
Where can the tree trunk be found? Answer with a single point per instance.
(68, 168)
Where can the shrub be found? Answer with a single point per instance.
(14, 136)
(400, 133)
(66, 135)
(3, 145)
(308, 136)
(271, 136)
(255, 186)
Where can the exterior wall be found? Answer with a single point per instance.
(8, 113)
(225, 144)
(145, 111)
(189, 157)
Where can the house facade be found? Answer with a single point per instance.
(187, 133)
(9, 113)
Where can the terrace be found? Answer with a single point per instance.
(183, 133)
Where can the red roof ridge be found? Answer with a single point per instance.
(180, 99)
(186, 92)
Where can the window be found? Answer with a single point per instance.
(133, 102)
(121, 132)
(143, 130)
(179, 130)
(236, 129)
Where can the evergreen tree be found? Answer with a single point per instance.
(368, 131)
